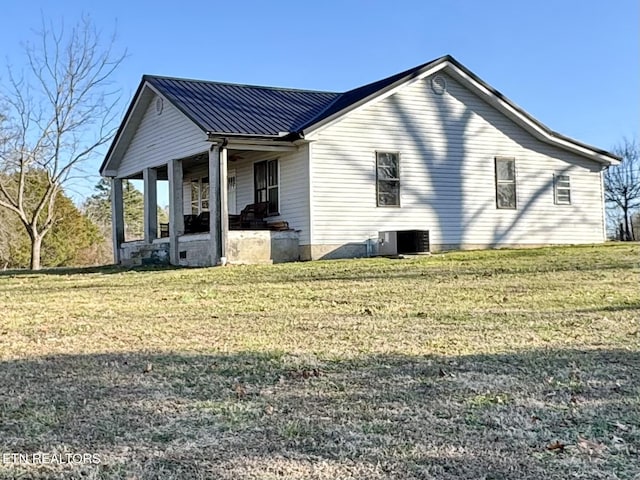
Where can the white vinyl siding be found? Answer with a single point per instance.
(160, 138)
(448, 144)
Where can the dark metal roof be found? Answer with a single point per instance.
(242, 109)
(227, 108)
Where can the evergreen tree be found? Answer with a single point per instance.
(98, 209)
(69, 242)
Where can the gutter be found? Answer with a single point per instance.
(284, 136)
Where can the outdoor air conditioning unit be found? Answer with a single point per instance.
(403, 241)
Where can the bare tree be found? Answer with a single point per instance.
(622, 185)
(59, 111)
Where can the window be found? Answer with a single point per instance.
(388, 179)
(265, 177)
(199, 195)
(505, 182)
(562, 189)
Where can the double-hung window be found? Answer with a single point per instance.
(561, 189)
(199, 195)
(505, 182)
(388, 179)
(265, 176)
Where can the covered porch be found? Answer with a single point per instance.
(223, 207)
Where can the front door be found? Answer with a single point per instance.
(231, 192)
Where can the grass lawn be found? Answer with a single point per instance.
(521, 364)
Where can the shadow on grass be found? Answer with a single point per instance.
(279, 415)
(442, 271)
(99, 269)
(609, 308)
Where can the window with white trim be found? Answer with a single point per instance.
(505, 182)
(199, 195)
(266, 184)
(562, 189)
(388, 179)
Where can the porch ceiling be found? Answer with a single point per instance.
(163, 174)
(234, 155)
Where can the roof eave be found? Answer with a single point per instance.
(116, 138)
(563, 141)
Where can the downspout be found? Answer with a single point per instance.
(603, 204)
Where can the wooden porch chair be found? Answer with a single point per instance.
(252, 216)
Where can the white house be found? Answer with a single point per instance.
(432, 158)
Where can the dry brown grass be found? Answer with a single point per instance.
(464, 365)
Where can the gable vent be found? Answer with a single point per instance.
(159, 105)
(438, 85)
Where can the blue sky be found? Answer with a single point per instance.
(574, 65)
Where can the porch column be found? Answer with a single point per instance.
(224, 203)
(117, 217)
(150, 176)
(176, 209)
(214, 204)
